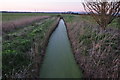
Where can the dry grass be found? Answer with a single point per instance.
(11, 25)
(96, 51)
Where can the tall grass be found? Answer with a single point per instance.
(96, 52)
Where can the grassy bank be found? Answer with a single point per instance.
(21, 47)
(96, 52)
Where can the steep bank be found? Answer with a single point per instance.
(95, 52)
(23, 49)
(39, 47)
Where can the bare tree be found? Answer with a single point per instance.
(102, 12)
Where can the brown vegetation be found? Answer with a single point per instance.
(11, 25)
(96, 53)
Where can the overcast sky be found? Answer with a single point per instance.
(41, 5)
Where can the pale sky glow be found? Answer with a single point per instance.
(41, 5)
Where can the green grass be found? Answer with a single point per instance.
(68, 17)
(15, 49)
(115, 23)
(16, 16)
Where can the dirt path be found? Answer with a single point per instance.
(7, 26)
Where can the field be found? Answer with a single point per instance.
(16, 16)
(25, 37)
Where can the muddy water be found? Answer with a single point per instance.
(59, 60)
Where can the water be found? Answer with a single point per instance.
(59, 60)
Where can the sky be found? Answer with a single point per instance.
(41, 5)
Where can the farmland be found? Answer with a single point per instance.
(24, 45)
(16, 16)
